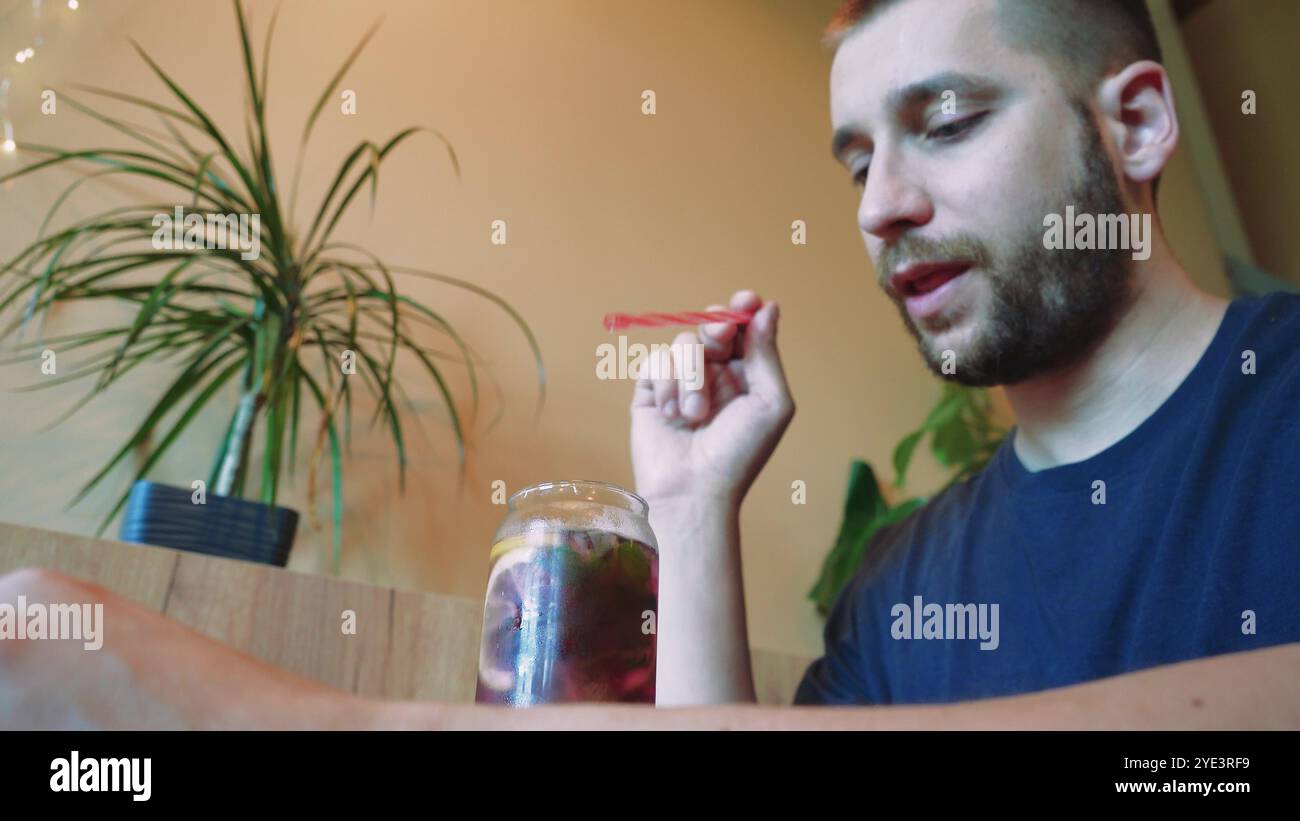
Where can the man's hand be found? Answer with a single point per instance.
(711, 442)
(696, 449)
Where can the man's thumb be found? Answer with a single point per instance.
(762, 363)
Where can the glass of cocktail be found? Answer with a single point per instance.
(572, 594)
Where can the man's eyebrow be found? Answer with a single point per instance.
(922, 91)
(962, 85)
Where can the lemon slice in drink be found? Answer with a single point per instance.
(503, 604)
(506, 545)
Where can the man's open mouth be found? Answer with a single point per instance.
(925, 287)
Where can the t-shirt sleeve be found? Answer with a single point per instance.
(838, 676)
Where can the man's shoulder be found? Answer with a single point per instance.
(1271, 319)
(948, 513)
(1278, 306)
(1262, 347)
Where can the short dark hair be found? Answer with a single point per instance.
(1084, 39)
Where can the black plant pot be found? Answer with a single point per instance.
(224, 526)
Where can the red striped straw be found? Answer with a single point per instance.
(617, 322)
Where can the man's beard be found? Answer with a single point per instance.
(1049, 308)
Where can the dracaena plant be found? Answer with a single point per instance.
(222, 317)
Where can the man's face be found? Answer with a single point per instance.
(962, 145)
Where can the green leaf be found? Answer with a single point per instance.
(376, 156)
(503, 305)
(169, 113)
(157, 298)
(320, 105)
(266, 50)
(132, 161)
(336, 470)
(246, 50)
(953, 444)
(394, 302)
(197, 405)
(339, 177)
(903, 454)
(336, 79)
(295, 410)
(386, 406)
(948, 408)
(187, 381)
(865, 513)
(135, 132)
(208, 126)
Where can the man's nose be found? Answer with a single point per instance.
(892, 202)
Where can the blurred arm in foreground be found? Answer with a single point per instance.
(153, 673)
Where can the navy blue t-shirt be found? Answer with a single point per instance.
(1194, 552)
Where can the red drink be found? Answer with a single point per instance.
(570, 616)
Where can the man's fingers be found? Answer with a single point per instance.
(643, 394)
(764, 375)
(718, 338)
(678, 384)
(665, 392)
(726, 381)
(688, 372)
(745, 301)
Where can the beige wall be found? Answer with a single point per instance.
(1235, 46)
(607, 210)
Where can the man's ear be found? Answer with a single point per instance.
(1137, 106)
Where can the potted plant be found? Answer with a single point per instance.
(234, 290)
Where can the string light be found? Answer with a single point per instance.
(38, 40)
(9, 146)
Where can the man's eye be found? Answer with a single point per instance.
(951, 131)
